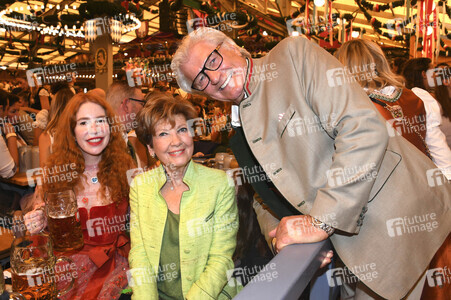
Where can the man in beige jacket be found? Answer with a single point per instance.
(329, 153)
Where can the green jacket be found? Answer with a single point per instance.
(208, 227)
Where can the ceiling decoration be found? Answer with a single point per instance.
(56, 31)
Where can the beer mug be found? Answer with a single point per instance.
(33, 268)
(25, 158)
(34, 157)
(63, 220)
(4, 294)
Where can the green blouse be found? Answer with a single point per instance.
(169, 281)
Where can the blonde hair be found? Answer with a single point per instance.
(363, 56)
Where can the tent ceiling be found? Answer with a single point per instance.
(17, 40)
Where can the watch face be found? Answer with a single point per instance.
(316, 222)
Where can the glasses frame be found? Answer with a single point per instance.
(216, 50)
(143, 102)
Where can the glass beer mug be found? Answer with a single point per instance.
(4, 294)
(63, 220)
(33, 268)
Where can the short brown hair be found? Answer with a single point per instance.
(160, 107)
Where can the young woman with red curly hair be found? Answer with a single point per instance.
(86, 140)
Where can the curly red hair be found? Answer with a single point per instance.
(115, 160)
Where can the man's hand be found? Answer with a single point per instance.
(296, 230)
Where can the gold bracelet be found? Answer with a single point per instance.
(10, 135)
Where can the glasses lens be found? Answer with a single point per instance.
(201, 82)
(214, 61)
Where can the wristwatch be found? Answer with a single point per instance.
(321, 225)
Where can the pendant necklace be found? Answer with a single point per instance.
(168, 179)
(90, 169)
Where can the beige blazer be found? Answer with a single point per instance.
(329, 152)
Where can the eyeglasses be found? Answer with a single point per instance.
(143, 102)
(213, 62)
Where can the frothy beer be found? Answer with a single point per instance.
(33, 285)
(65, 232)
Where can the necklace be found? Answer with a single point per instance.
(168, 179)
(91, 172)
(389, 98)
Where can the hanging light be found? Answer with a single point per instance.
(116, 30)
(90, 30)
(355, 34)
(319, 3)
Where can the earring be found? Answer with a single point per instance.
(153, 155)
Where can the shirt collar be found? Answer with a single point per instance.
(236, 108)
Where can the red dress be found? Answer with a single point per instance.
(102, 263)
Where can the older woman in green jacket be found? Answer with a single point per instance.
(183, 215)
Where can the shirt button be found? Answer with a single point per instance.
(187, 251)
(189, 278)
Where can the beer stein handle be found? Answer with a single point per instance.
(16, 296)
(71, 284)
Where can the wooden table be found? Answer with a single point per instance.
(18, 179)
(6, 239)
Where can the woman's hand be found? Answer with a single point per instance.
(327, 259)
(35, 220)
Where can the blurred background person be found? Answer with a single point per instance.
(39, 97)
(420, 81)
(46, 139)
(9, 154)
(443, 96)
(21, 85)
(398, 64)
(401, 107)
(42, 117)
(415, 73)
(25, 121)
(127, 102)
(85, 138)
(182, 214)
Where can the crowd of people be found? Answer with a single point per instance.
(184, 226)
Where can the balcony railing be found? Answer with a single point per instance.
(287, 275)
